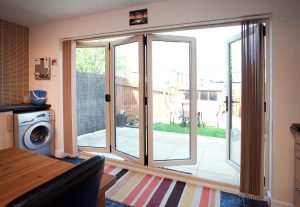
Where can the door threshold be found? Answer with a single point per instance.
(178, 171)
(175, 175)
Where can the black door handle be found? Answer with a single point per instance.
(226, 102)
(107, 97)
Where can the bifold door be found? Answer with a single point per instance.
(171, 87)
(92, 83)
(233, 102)
(166, 78)
(127, 99)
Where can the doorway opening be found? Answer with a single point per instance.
(218, 105)
(170, 100)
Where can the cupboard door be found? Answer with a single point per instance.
(6, 130)
(297, 194)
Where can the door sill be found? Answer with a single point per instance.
(189, 178)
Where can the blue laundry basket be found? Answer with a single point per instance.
(38, 97)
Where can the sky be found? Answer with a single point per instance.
(211, 50)
(170, 59)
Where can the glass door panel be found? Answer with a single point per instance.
(235, 84)
(91, 87)
(128, 96)
(172, 106)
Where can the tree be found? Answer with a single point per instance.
(90, 60)
(120, 65)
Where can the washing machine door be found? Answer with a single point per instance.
(38, 135)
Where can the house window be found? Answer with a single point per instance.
(187, 95)
(212, 96)
(204, 95)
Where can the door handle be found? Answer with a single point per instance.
(23, 122)
(226, 102)
(107, 97)
(9, 123)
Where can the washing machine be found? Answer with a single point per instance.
(34, 131)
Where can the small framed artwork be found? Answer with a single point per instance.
(138, 17)
(42, 68)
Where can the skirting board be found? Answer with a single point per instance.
(269, 198)
(59, 153)
(276, 203)
(69, 155)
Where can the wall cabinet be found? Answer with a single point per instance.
(297, 172)
(6, 130)
(296, 132)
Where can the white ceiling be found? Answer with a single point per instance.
(33, 12)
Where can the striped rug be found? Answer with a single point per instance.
(139, 189)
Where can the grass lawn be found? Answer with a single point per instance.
(177, 128)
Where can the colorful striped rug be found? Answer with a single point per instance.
(139, 189)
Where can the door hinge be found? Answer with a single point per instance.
(107, 97)
(108, 46)
(146, 160)
(265, 106)
(146, 101)
(110, 148)
(264, 181)
(145, 40)
(264, 30)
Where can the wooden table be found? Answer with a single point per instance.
(21, 171)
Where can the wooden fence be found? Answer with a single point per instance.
(91, 105)
(127, 99)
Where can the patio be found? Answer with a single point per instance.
(211, 152)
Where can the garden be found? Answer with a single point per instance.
(209, 131)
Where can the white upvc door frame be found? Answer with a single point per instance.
(229, 104)
(105, 149)
(139, 39)
(193, 101)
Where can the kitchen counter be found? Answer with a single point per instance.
(23, 107)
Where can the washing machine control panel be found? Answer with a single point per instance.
(41, 115)
(33, 117)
